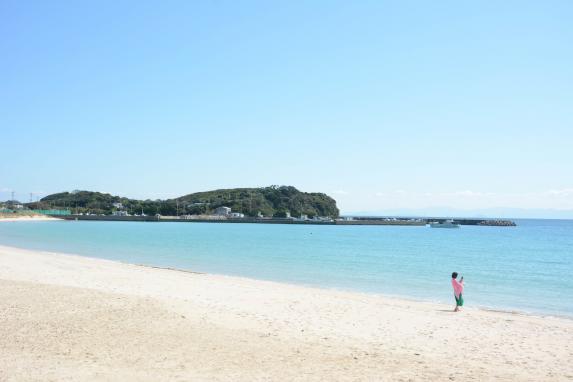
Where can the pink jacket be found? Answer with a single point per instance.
(458, 287)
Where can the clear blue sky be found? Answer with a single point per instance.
(402, 104)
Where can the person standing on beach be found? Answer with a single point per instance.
(458, 289)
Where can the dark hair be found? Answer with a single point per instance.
(455, 275)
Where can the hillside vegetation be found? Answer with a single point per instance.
(269, 201)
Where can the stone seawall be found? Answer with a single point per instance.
(357, 221)
(110, 218)
(239, 220)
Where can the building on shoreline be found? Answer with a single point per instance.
(222, 211)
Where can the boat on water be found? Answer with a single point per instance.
(445, 224)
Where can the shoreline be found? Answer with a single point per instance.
(341, 290)
(69, 317)
(401, 298)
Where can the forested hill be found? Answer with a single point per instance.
(269, 201)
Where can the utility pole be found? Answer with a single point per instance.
(12, 195)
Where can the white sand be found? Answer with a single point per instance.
(26, 218)
(70, 318)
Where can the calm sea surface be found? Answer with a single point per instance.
(527, 268)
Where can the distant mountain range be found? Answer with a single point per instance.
(274, 201)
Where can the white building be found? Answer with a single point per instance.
(14, 205)
(118, 205)
(120, 213)
(222, 211)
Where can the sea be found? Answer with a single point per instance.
(527, 268)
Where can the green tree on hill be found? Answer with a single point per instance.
(270, 201)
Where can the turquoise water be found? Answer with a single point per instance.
(526, 268)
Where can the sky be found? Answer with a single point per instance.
(384, 105)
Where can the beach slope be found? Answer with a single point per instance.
(70, 318)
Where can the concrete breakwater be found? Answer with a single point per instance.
(354, 221)
(504, 223)
(425, 220)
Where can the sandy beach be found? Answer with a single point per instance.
(71, 318)
(25, 218)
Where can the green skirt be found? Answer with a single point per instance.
(459, 300)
